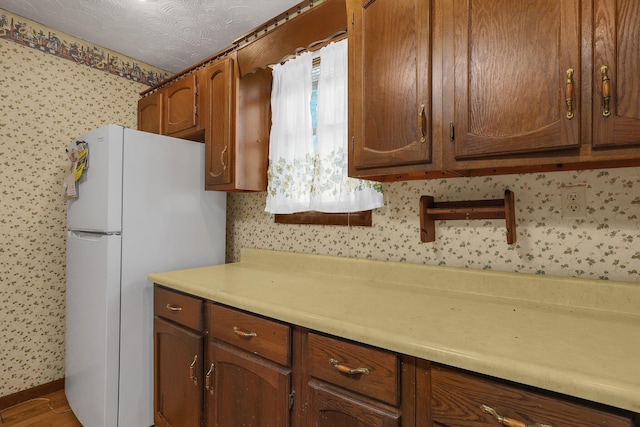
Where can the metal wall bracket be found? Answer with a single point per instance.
(430, 211)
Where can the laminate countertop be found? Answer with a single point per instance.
(579, 337)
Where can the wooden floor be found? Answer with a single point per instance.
(37, 413)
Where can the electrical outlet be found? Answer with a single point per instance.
(574, 201)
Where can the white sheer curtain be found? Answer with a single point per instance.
(290, 172)
(314, 177)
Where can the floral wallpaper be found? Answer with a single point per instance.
(31, 34)
(45, 102)
(603, 245)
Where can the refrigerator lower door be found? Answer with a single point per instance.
(92, 327)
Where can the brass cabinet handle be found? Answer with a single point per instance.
(192, 370)
(207, 380)
(347, 370)
(239, 332)
(422, 124)
(569, 93)
(606, 90)
(174, 307)
(510, 422)
(224, 165)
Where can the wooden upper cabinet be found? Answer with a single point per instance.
(150, 114)
(237, 117)
(616, 73)
(181, 109)
(516, 76)
(389, 87)
(220, 84)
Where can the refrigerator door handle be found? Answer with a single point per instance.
(89, 236)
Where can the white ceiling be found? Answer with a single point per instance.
(169, 34)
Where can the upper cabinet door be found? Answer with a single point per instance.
(616, 71)
(516, 76)
(150, 113)
(389, 86)
(181, 105)
(220, 83)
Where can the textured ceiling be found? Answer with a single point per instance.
(169, 34)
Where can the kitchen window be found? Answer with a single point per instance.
(308, 143)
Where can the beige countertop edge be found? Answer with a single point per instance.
(621, 297)
(586, 384)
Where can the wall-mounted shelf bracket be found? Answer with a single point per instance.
(430, 211)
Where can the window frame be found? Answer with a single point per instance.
(358, 219)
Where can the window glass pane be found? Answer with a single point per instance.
(315, 76)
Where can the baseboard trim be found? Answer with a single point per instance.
(37, 391)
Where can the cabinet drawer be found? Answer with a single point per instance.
(177, 307)
(330, 359)
(458, 397)
(264, 337)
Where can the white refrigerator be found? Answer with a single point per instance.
(141, 208)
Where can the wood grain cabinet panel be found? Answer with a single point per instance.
(237, 115)
(150, 113)
(329, 358)
(516, 76)
(330, 408)
(245, 390)
(181, 107)
(616, 73)
(351, 384)
(243, 385)
(257, 335)
(389, 87)
(458, 398)
(178, 373)
(180, 308)
(220, 133)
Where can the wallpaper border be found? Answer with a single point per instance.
(31, 34)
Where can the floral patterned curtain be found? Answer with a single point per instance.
(304, 174)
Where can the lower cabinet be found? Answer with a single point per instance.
(460, 398)
(330, 407)
(220, 366)
(245, 390)
(243, 386)
(351, 384)
(178, 360)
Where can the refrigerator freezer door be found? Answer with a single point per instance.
(99, 203)
(168, 222)
(92, 327)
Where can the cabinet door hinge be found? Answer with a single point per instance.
(292, 399)
(353, 19)
(196, 110)
(452, 134)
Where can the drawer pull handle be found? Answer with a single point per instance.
(568, 93)
(222, 162)
(509, 422)
(192, 370)
(422, 122)
(174, 307)
(606, 91)
(347, 370)
(207, 380)
(239, 332)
